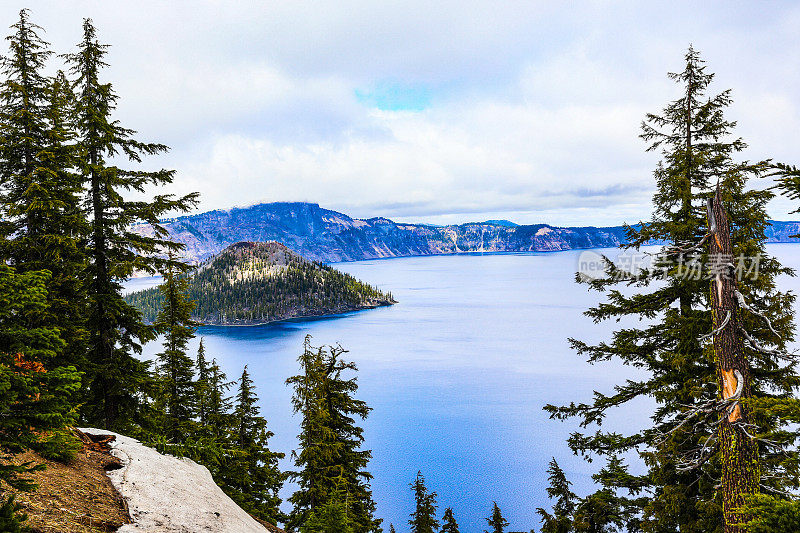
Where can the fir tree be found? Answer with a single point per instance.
(599, 512)
(39, 194)
(683, 460)
(560, 521)
(12, 518)
(115, 253)
(175, 367)
(220, 419)
(202, 385)
(35, 400)
(496, 522)
(331, 460)
(771, 514)
(329, 518)
(391, 528)
(423, 519)
(250, 475)
(449, 524)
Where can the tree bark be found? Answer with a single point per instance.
(740, 458)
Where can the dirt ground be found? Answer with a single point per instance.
(76, 497)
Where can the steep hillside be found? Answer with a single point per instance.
(328, 236)
(253, 283)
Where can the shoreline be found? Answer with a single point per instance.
(298, 318)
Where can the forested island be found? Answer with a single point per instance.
(259, 282)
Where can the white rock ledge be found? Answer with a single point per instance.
(168, 494)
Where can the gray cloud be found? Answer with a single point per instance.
(532, 108)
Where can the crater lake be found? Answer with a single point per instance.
(456, 373)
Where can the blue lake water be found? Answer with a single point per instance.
(456, 373)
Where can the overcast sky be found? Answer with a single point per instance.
(432, 111)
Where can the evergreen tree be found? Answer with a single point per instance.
(599, 512)
(391, 528)
(39, 194)
(331, 462)
(175, 367)
(787, 181)
(449, 524)
(496, 522)
(684, 460)
(561, 519)
(771, 514)
(331, 517)
(250, 476)
(202, 385)
(220, 419)
(115, 375)
(423, 519)
(35, 400)
(11, 518)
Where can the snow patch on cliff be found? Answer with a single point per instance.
(166, 494)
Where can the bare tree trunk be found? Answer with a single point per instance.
(740, 459)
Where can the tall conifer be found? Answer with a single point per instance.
(449, 524)
(35, 400)
(497, 524)
(202, 385)
(115, 253)
(331, 461)
(560, 521)
(423, 519)
(175, 368)
(683, 460)
(251, 476)
(40, 193)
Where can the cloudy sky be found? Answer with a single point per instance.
(432, 111)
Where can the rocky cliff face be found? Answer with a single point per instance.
(328, 236)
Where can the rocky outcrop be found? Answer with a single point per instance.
(166, 494)
(328, 236)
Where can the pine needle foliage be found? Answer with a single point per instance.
(175, 369)
(423, 519)
(330, 462)
(116, 329)
(497, 524)
(670, 312)
(40, 194)
(449, 524)
(250, 475)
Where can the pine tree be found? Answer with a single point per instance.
(202, 385)
(391, 528)
(220, 419)
(329, 518)
(250, 476)
(175, 367)
(599, 512)
(331, 462)
(684, 460)
(561, 519)
(496, 522)
(35, 400)
(423, 519)
(116, 328)
(39, 194)
(449, 524)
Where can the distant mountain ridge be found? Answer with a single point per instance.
(324, 235)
